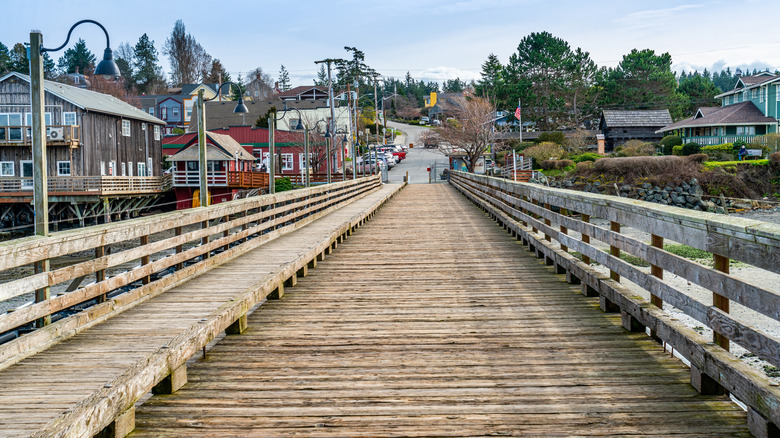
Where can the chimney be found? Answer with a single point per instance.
(600, 143)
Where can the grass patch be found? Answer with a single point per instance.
(709, 165)
(687, 252)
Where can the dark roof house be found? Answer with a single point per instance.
(619, 126)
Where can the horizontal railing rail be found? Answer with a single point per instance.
(189, 178)
(98, 185)
(85, 266)
(543, 217)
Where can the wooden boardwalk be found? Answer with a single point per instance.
(431, 321)
(54, 383)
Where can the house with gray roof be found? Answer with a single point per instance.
(748, 112)
(620, 126)
(99, 149)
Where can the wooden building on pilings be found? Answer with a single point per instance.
(103, 155)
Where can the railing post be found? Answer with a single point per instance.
(205, 239)
(145, 259)
(226, 233)
(719, 301)
(614, 250)
(657, 271)
(585, 238)
(100, 274)
(547, 222)
(179, 248)
(44, 293)
(564, 230)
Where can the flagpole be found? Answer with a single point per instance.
(520, 119)
(514, 163)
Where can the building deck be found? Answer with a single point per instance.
(431, 321)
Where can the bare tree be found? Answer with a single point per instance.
(189, 61)
(406, 107)
(260, 84)
(473, 133)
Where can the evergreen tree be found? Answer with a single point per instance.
(699, 91)
(217, 74)
(284, 79)
(5, 59)
(238, 88)
(454, 86)
(49, 68)
(123, 56)
(78, 58)
(492, 78)
(322, 76)
(148, 73)
(19, 61)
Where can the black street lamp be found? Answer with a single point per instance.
(202, 160)
(272, 119)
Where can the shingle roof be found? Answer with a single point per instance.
(647, 118)
(217, 145)
(294, 92)
(738, 114)
(751, 82)
(91, 100)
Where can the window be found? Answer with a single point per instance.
(124, 169)
(141, 169)
(777, 89)
(746, 130)
(76, 79)
(46, 116)
(149, 166)
(744, 95)
(125, 128)
(175, 112)
(192, 166)
(762, 94)
(156, 132)
(287, 162)
(129, 168)
(111, 168)
(151, 110)
(6, 168)
(63, 168)
(164, 113)
(754, 93)
(293, 124)
(69, 118)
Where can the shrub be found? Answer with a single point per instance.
(697, 158)
(556, 164)
(554, 137)
(691, 148)
(677, 150)
(636, 148)
(583, 166)
(670, 141)
(655, 170)
(545, 151)
(587, 156)
(719, 151)
(774, 158)
(283, 184)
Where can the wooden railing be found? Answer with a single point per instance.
(317, 178)
(22, 135)
(169, 247)
(90, 185)
(247, 180)
(191, 178)
(543, 217)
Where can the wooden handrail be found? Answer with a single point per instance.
(21, 135)
(100, 185)
(525, 208)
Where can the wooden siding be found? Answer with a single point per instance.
(619, 135)
(101, 136)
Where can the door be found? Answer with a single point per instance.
(27, 174)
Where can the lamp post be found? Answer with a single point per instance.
(202, 160)
(107, 68)
(272, 119)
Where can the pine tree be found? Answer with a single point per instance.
(322, 76)
(5, 58)
(77, 58)
(19, 61)
(148, 74)
(284, 79)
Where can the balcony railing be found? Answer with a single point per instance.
(705, 140)
(89, 185)
(238, 180)
(22, 135)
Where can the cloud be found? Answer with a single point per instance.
(443, 73)
(652, 17)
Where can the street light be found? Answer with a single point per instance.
(107, 67)
(202, 160)
(272, 119)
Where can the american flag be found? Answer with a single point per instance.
(517, 113)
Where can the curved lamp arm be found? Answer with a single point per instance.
(108, 41)
(240, 106)
(299, 126)
(107, 67)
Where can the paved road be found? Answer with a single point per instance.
(418, 159)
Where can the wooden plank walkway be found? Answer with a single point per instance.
(43, 387)
(431, 321)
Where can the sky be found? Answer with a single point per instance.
(434, 40)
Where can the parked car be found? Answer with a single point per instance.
(424, 120)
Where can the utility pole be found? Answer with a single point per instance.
(376, 112)
(332, 122)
